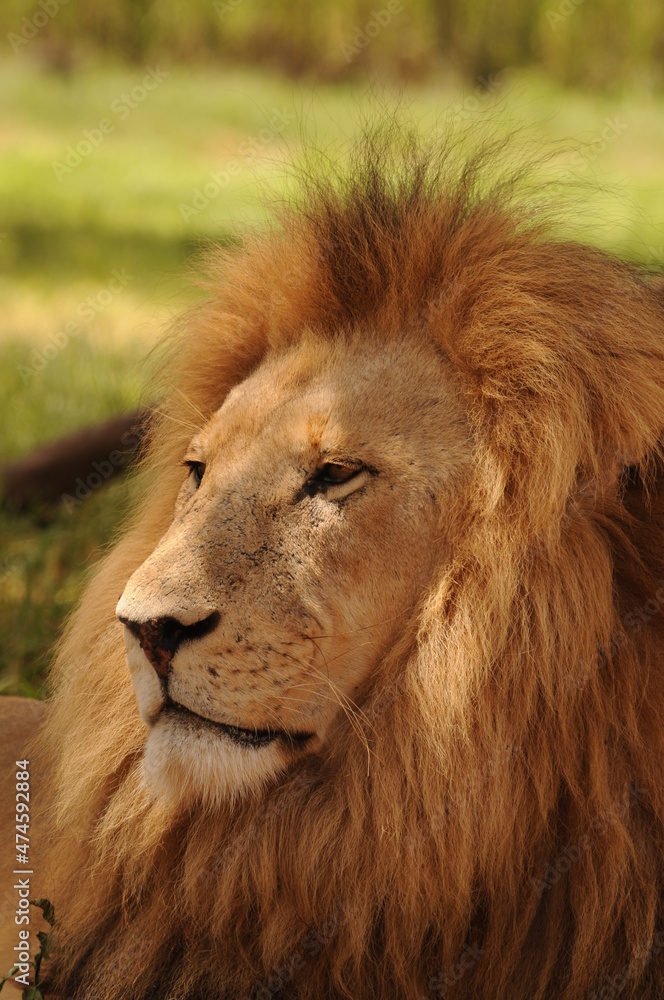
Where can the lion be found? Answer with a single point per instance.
(368, 700)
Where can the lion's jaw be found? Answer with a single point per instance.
(300, 585)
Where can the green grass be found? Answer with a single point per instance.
(48, 550)
(47, 557)
(120, 208)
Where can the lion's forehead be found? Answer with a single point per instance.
(339, 397)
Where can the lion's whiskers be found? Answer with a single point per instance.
(349, 707)
(196, 409)
(362, 628)
(176, 420)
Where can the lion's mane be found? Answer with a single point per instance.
(505, 836)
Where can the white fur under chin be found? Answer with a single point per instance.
(182, 764)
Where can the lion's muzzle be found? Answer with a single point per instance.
(160, 638)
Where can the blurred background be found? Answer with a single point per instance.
(134, 132)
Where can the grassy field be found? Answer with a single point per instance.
(111, 181)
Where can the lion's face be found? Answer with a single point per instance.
(307, 528)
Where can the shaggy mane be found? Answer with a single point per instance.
(505, 840)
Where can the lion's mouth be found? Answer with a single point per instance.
(248, 738)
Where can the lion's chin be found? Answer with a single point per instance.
(250, 739)
(191, 764)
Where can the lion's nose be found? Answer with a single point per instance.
(160, 638)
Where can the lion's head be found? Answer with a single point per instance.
(392, 606)
(302, 540)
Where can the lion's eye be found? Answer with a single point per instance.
(336, 480)
(333, 473)
(197, 470)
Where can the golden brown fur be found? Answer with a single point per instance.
(506, 840)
